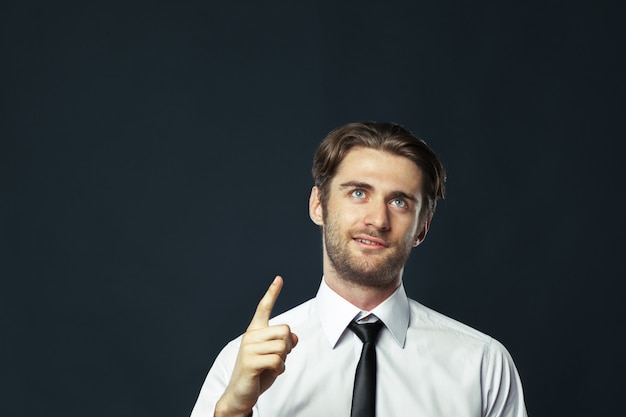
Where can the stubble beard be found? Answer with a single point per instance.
(364, 272)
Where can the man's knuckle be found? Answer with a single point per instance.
(277, 361)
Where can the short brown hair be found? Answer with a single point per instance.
(389, 137)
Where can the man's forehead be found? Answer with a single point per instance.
(376, 166)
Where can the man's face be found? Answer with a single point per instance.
(371, 217)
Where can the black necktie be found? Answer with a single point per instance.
(364, 394)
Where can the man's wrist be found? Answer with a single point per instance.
(222, 409)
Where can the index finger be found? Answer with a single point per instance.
(264, 308)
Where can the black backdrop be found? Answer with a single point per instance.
(154, 174)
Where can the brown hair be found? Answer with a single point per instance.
(389, 137)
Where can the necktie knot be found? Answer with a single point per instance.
(367, 332)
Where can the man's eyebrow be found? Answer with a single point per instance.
(356, 184)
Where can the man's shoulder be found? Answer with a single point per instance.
(294, 315)
(426, 317)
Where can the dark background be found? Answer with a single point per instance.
(154, 174)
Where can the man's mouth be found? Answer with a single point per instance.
(370, 241)
(367, 242)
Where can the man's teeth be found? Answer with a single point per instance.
(367, 242)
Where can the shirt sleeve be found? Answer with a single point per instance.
(216, 381)
(502, 393)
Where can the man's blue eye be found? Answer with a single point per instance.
(358, 193)
(399, 203)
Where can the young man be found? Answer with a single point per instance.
(376, 187)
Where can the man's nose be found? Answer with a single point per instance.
(377, 215)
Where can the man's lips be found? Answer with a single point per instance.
(370, 241)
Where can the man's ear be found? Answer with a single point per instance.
(422, 230)
(315, 206)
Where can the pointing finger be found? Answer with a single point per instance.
(264, 309)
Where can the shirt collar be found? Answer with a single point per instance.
(335, 313)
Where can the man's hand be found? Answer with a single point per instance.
(260, 360)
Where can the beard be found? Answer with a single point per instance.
(370, 270)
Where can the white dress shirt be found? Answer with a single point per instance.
(429, 365)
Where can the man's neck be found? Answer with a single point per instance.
(363, 297)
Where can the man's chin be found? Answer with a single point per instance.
(370, 275)
(371, 280)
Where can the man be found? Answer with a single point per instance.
(376, 188)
